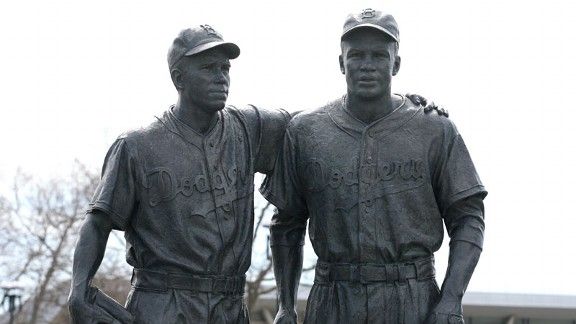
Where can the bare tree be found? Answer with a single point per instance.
(40, 225)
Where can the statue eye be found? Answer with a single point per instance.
(353, 54)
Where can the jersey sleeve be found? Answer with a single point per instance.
(116, 192)
(459, 191)
(464, 220)
(455, 176)
(270, 126)
(283, 189)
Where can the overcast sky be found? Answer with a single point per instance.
(76, 74)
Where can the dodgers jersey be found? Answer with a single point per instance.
(373, 193)
(184, 199)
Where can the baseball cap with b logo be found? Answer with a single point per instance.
(373, 19)
(192, 41)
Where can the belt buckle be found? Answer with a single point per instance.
(393, 273)
(401, 273)
(219, 285)
(357, 274)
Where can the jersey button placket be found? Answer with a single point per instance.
(212, 166)
(368, 139)
(367, 179)
(363, 183)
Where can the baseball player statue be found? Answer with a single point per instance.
(182, 190)
(376, 179)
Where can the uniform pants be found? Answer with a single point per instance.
(406, 302)
(186, 307)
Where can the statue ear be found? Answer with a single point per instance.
(176, 76)
(341, 64)
(396, 68)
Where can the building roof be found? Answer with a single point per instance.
(520, 305)
(489, 304)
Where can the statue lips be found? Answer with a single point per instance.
(220, 94)
(367, 81)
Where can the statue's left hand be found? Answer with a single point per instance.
(446, 312)
(428, 106)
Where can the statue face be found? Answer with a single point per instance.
(204, 79)
(369, 60)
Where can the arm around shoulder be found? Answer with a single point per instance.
(271, 125)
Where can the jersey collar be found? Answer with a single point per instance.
(213, 137)
(380, 127)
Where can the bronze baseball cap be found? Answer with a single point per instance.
(192, 41)
(373, 19)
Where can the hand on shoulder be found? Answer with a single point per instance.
(428, 105)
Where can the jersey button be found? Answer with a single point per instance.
(226, 207)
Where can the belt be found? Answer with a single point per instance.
(162, 281)
(368, 273)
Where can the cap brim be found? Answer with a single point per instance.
(380, 28)
(231, 49)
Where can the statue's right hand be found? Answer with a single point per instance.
(83, 312)
(285, 316)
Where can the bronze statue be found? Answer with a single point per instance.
(182, 190)
(376, 178)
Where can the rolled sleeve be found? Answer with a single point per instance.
(287, 229)
(465, 220)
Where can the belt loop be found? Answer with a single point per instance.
(355, 273)
(330, 270)
(239, 286)
(392, 272)
(168, 281)
(401, 273)
(218, 285)
(362, 276)
(414, 267)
